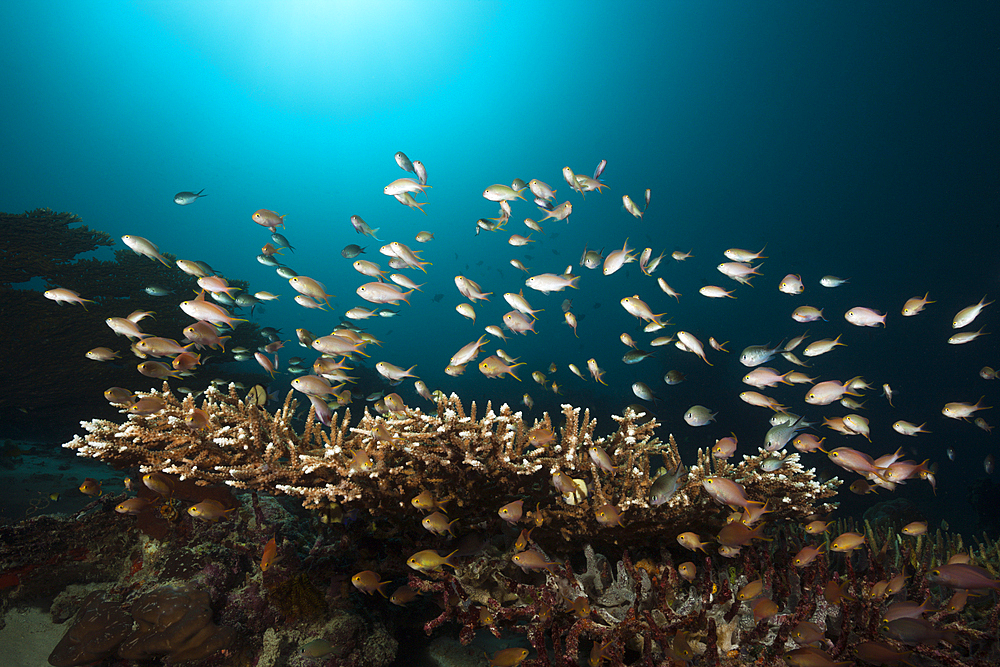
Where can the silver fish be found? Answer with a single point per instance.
(404, 162)
(755, 355)
(772, 463)
(286, 272)
(780, 435)
(642, 390)
(268, 260)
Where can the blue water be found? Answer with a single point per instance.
(854, 139)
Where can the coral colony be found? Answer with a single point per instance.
(714, 563)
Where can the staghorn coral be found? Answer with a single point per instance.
(475, 464)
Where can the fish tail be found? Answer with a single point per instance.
(165, 262)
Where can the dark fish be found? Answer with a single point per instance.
(271, 333)
(918, 631)
(185, 198)
(673, 377)
(635, 356)
(597, 305)
(989, 464)
(351, 251)
(285, 272)
(156, 290)
(437, 297)
(665, 486)
(209, 271)
(246, 299)
(281, 241)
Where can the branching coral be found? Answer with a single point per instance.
(474, 464)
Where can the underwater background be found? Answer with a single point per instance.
(853, 139)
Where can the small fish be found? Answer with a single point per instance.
(906, 428)
(791, 284)
(819, 347)
(642, 390)
(965, 337)
(185, 198)
(631, 207)
(431, 561)
(531, 560)
(665, 486)
(369, 582)
(914, 528)
(269, 219)
(832, 281)
(90, 487)
(674, 377)
(691, 541)
(512, 512)
(270, 555)
(864, 317)
(966, 316)
(317, 648)
(962, 410)
(635, 356)
(755, 355)
(351, 251)
(601, 459)
(699, 415)
(508, 657)
(210, 510)
(426, 502)
(361, 227)
(404, 162)
(915, 305)
(132, 506)
(847, 541)
(539, 437)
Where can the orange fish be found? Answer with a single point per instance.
(270, 556)
(90, 487)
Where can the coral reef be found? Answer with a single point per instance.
(772, 593)
(52, 340)
(476, 465)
